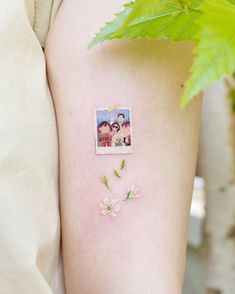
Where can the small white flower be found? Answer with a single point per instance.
(132, 193)
(109, 207)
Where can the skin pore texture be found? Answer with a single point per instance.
(142, 248)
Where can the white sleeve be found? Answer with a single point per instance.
(29, 213)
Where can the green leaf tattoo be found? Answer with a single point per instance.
(116, 173)
(104, 180)
(123, 164)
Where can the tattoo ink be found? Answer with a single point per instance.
(116, 173)
(122, 167)
(132, 193)
(113, 131)
(109, 207)
(104, 180)
(123, 164)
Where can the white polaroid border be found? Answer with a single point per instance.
(116, 149)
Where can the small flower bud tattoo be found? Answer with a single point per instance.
(104, 180)
(109, 207)
(132, 193)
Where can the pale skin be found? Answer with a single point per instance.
(142, 249)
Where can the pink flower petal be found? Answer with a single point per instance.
(104, 212)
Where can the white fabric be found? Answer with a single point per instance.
(30, 260)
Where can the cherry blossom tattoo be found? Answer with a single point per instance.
(109, 207)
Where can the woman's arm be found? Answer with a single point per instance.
(142, 249)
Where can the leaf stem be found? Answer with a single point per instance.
(154, 17)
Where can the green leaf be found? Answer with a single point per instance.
(157, 19)
(123, 164)
(107, 32)
(116, 173)
(162, 19)
(216, 47)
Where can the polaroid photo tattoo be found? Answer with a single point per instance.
(113, 131)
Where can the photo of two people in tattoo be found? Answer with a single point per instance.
(113, 128)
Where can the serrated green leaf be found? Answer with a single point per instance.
(106, 33)
(216, 47)
(162, 19)
(158, 19)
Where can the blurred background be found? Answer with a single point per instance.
(210, 264)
